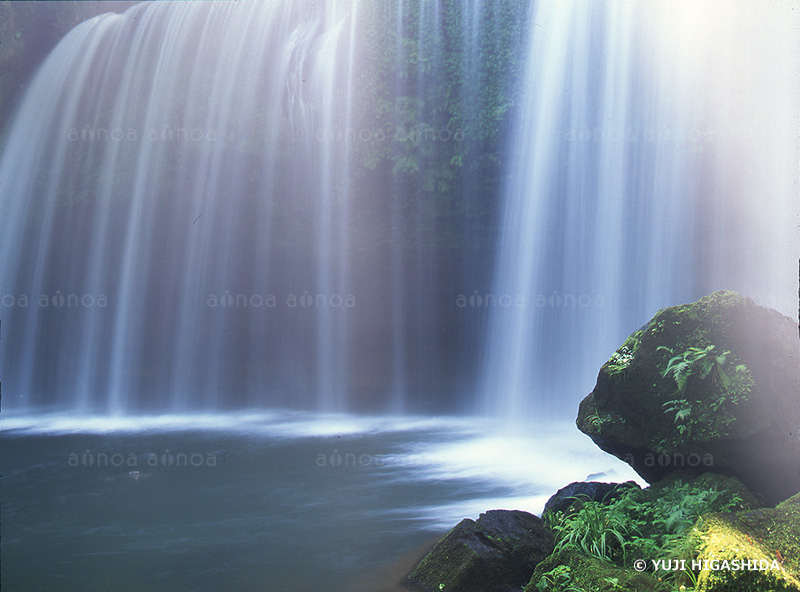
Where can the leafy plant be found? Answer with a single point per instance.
(724, 383)
(620, 359)
(682, 409)
(702, 363)
(641, 524)
(594, 419)
(682, 505)
(695, 361)
(668, 522)
(596, 529)
(558, 579)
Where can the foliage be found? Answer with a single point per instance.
(700, 363)
(596, 529)
(668, 519)
(620, 360)
(706, 381)
(435, 95)
(641, 524)
(558, 579)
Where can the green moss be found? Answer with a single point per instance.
(588, 574)
(765, 537)
(695, 525)
(770, 536)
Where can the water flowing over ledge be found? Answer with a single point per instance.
(384, 207)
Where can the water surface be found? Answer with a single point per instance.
(285, 502)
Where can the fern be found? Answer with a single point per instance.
(704, 364)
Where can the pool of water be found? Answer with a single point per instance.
(282, 502)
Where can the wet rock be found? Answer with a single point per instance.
(496, 553)
(597, 491)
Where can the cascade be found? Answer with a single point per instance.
(174, 212)
(396, 207)
(624, 194)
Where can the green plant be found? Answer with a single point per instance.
(552, 519)
(620, 360)
(594, 419)
(706, 380)
(558, 579)
(639, 524)
(668, 522)
(679, 550)
(702, 363)
(683, 504)
(596, 529)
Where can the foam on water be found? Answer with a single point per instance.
(273, 423)
(532, 466)
(527, 467)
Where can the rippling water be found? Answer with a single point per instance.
(284, 502)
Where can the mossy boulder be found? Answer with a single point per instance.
(712, 385)
(568, 570)
(496, 553)
(753, 550)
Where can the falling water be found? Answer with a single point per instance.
(190, 218)
(169, 194)
(624, 195)
(225, 205)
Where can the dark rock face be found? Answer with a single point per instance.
(561, 500)
(496, 553)
(709, 386)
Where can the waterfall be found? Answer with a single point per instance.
(173, 190)
(408, 206)
(621, 197)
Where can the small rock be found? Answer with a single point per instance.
(496, 553)
(594, 490)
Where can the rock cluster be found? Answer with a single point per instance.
(704, 403)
